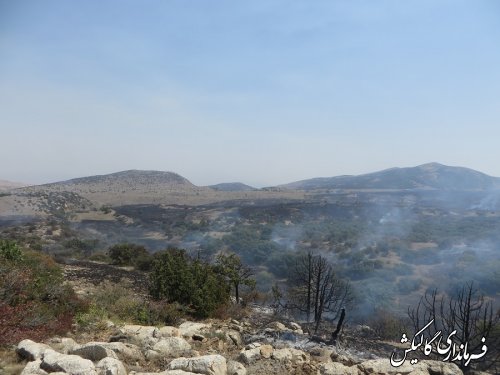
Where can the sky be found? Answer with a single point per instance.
(264, 92)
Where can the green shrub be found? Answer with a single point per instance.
(34, 301)
(9, 250)
(125, 254)
(175, 277)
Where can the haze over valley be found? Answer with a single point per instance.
(393, 233)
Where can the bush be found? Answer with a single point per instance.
(387, 325)
(175, 277)
(10, 251)
(126, 254)
(34, 301)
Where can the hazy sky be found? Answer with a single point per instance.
(261, 91)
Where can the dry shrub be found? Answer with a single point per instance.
(387, 325)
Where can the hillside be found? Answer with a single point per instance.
(8, 185)
(427, 176)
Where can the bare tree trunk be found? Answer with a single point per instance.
(339, 327)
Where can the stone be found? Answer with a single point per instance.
(207, 365)
(110, 366)
(235, 368)
(124, 351)
(33, 368)
(144, 336)
(383, 366)
(335, 368)
(169, 331)
(292, 355)
(438, 367)
(171, 346)
(321, 354)
(295, 326)
(266, 351)
(93, 351)
(53, 361)
(188, 329)
(235, 338)
(30, 350)
(249, 356)
(277, 326)
(64, 345)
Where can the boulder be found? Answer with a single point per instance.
(437, 367)
(53, 361)
(335, 368)
(124, 351)
(266, 351)
(93, 351)
(424, 367)
(64, 345)
(110, 366)
(321, 354)
(235, 368)
(188, 329)
(290, 355)
(249, 356)
(383, 366)
(33, 368)
(207, 364)
(169, 331)
(31, 350)
(234, 337)
(171, 346)
(277, 326)
(144, 336)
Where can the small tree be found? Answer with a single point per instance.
(175, 277)
(316, 289)
(231, 267)
(126, 254)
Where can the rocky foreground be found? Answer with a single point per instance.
(216, 348)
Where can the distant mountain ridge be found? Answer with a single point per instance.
(427, 176)
(232, 186)
(431, 176)
(131, 177)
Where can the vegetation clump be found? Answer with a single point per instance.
(175, 277)
(34, 301)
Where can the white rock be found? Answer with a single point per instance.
(169, 331)
(65, 345)
(295, 326)
(171, 346)
(124, 351)
(235, 337)
(31, 350)
(72, 364)
(144, 336)
(235, 368)
(295, 356)
(93, 351)
(110, 366)
(438, 367)
(335, 368)
(33, 368)
(188, 329)
(250, 356)
(383, 366)
(277, 326)
(207, 365)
